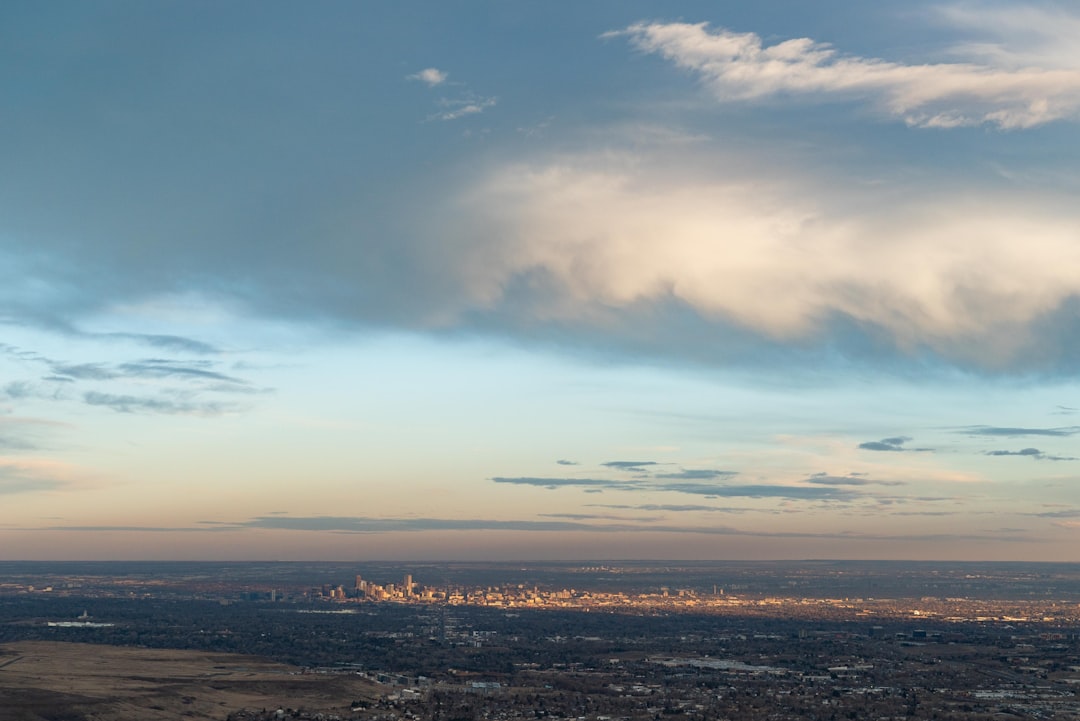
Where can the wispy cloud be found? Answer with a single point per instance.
(174, 343)
(455, 108)
(801, 493)
(1033, 453)
(20, 390)
(1067, 513)
(184, 387)
(895, 444)
(931, 514)
(13, 443)
(164, 341)
(464, 104)
(552, 483)
(740, 67)
(21, 433)
(1013, 432)
(697, 474)
(824, 479)
(600, 517)
(148, 368)
(375, 525)
(817, 492)
(1015, 35)
(164, 368)
(672, 507)
(85, 371)
(635, 466)
(123, 403)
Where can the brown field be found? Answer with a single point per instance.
(50, 681)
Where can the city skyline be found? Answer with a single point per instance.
(607, 280)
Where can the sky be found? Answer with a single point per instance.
(517, 281)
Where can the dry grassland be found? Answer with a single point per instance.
(50, 681)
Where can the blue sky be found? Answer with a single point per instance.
(524, 280)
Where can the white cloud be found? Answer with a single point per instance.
(461, 108)
(776, 252)
(466, 104)
(1015, 35)
(430, 76)
(738, 67)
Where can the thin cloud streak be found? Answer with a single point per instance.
(1033, 453)
(1071, 513)
(824, 479)
(894, 444)
(1015, 432)
(673, 507)
(460, 108)
(697, 474)
(552, 483)
(804, 493)
(123, 403)
(368, 525)
(629, 465)
(717, 490)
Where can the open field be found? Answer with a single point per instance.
(51, 681)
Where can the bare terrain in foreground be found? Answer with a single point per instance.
(42, 680)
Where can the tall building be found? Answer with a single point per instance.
(407, 585)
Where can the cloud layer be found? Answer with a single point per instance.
(313, 220)
(586, 238)
(368, 525)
